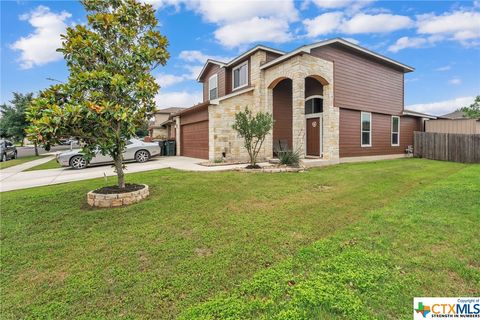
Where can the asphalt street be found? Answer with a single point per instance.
(30, 150)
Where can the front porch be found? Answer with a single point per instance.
(300, 97)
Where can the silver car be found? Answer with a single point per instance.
(7, 150)
(136, 150)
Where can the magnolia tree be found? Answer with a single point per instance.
(253, 129)
(110, 90)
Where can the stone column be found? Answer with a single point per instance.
(298, 116)
(331, 124)
(177, 134)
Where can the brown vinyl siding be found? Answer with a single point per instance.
(363, 83)
(194, 116)
(272, 56)
(213, 68)
(381, 134)
(282, 112)
(228, 76)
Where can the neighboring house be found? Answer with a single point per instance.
(454, 122)
(455, 115)
(163, 127)
(330, 100)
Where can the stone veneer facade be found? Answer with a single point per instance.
(222, 138)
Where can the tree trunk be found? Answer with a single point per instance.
(118, 160)
(36, 148)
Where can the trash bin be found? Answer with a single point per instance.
(161, 143)
(170, 148)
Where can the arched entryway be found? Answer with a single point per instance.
(282, 114)
(314, 116)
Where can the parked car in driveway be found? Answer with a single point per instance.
(7, 150)
(136, 150)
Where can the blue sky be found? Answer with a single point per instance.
(441, 39)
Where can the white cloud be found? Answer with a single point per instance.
(234, 10)
(462, 26)
(334, 4)
(198, 56)
(408, 42)
(194, 71)
(444, 68)
(165, 80)
(163, 3)
(262, 20)
(253, 30)
(338, 21)
(352, 40)
(379, 23)
(441, 107)
(178, 99)
(455, 81)
(323, 24)
(39, 47)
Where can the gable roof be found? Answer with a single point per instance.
(308, 48)
(455, 115)
(237, 59)
(169, 110)
(418, 114)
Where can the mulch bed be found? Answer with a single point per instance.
(129, 187)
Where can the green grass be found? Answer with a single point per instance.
(349, 241)
(14, 162)
(52, 164)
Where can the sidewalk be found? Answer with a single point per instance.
(10, 171)
(15, 179)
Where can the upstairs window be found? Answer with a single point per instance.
(314, 104)
(240, 76)
(213, 87)
(366, 128)
(395, 131)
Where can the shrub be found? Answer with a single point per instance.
(253, 129)
(289, 158)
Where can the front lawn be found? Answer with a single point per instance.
(353, 240)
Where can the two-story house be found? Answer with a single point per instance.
(332, 99)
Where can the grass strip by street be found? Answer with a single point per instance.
(206, 237)
(52, 164)
(14, 162)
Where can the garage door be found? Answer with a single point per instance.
(194, 140)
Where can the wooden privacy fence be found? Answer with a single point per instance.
(447, 146)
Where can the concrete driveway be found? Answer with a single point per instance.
(12, 178)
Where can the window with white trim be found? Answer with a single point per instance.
(395, 131)
(366, 128)
(213, 87)
(314, 104)
(240, 76)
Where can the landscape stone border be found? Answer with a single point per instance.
(117, 199)
(273, 169)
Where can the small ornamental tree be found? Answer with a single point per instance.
(110, 90)
(253, 129)
(472, 111)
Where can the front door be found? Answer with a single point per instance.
(313, 137)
